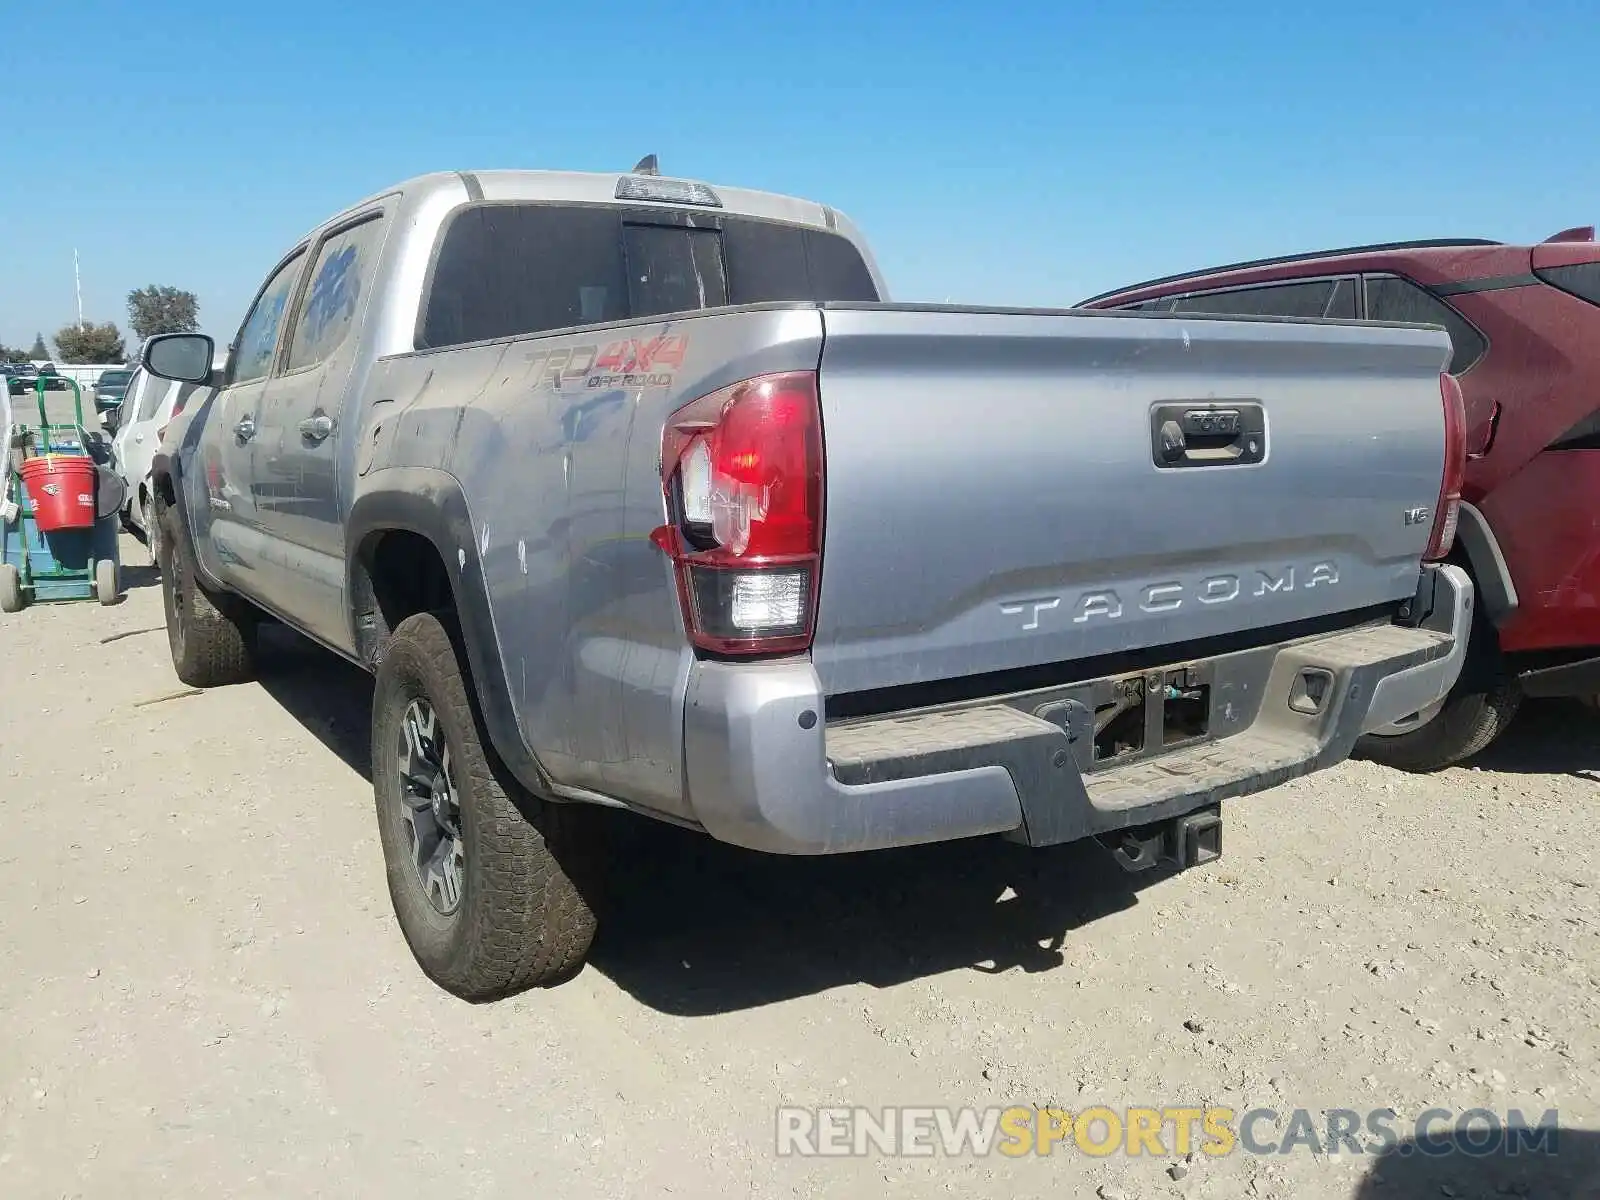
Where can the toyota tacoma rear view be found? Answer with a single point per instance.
(638, 493)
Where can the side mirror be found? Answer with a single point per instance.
(183, 357)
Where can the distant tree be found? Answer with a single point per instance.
(13, 354)
(89, 343)
(153, 310)
(40, 350)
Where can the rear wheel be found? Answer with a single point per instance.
(212, 638)
(492, 888)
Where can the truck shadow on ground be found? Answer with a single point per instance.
(755, 929)
(1567, 1168)
(139, 575)
(329, 696)
(694, 927)
(1560, 737)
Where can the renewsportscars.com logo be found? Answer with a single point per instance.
(1101, 1131)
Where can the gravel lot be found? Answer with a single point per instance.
(204, 992)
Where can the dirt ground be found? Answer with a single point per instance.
(203, 992)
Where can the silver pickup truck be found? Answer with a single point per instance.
(637, 492)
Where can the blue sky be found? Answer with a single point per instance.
(1023, 153)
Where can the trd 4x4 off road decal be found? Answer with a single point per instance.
(625, 363)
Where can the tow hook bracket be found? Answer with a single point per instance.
(1135, 853)
(1183, 842)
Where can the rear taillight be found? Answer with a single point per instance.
(742, 469)
(1448, 509)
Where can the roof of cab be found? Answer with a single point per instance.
(591, 187)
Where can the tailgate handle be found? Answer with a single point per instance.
(1203, 433)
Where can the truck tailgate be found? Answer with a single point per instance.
(1005, 490)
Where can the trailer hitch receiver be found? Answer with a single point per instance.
(1181, 842)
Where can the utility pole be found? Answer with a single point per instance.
(77, 283)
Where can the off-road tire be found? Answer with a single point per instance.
(532, 869)
(212, 638)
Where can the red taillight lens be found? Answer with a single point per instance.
(742, 469)
(1448, 510)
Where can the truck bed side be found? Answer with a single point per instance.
(559, 464)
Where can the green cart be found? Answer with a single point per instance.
(58, 509)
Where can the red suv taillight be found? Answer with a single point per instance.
(1448, 509)
(742, 469)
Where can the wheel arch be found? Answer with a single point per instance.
(166, 488)
(410, 548)
(162, 484)
(1497, 592)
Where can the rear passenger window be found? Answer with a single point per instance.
(504, 270)
(1279, 300)
(344, 264)
(1390, 298)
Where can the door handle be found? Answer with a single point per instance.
(1205, 433)
(316, 428)
(245, 429)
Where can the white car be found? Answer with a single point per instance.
(146, 409)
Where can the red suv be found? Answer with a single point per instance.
(1525, 325)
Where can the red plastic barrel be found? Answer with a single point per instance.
(61, 491)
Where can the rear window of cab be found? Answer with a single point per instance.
(511, 269)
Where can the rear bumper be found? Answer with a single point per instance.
(765, 770)
(1444, 602)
